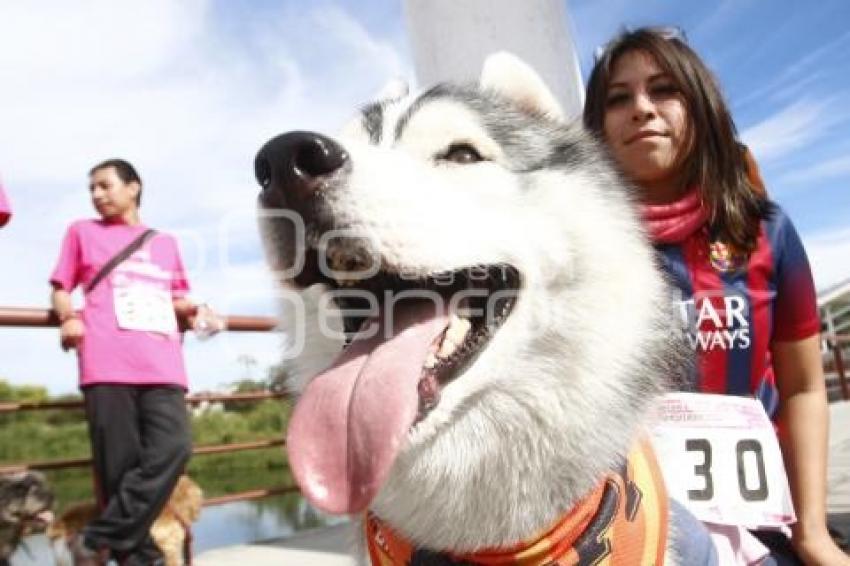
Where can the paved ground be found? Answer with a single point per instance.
(838, 474)
(320, 547)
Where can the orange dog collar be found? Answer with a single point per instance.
(622, 522)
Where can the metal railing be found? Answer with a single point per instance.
(837, 343)
(41, 318)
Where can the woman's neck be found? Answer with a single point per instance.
(662, 191)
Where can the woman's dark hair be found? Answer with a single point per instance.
(716, 163)
(126, 172)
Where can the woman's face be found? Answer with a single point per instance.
(646, 125)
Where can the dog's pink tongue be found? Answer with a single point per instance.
(350, 422)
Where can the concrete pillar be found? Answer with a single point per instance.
(451, 39)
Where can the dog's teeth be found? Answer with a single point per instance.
(454, 336)
(447, 347)
(458, 328)
(431, 361)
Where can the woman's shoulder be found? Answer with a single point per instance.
(781, 234)
(775, 217)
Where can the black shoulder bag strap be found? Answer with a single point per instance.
(119, 257)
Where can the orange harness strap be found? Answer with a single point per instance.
(622, 522)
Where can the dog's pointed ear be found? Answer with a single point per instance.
(511, 77)
(394, 89)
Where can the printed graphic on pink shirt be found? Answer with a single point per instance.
(141, 293)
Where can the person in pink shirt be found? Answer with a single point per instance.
(5, 207)
(131, 366)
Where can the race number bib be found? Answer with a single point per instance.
(144, 307)
(720, 458)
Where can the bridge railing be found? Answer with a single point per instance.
(837, 344)
(44, 318)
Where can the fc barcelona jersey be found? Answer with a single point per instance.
(732, 306)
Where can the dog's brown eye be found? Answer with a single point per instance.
(462, 153)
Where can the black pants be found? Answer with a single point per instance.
(140, 441)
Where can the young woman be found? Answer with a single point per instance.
(657, 107)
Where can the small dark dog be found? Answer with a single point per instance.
(25, 508)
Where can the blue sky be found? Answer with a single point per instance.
(189, 90)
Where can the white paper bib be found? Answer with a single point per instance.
(721, 459)
(142, 298)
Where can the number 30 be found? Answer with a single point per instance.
(703, 470)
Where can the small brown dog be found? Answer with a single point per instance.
(170, 531)
(25, 503)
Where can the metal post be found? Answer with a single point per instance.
(452, 38)
(839, 368)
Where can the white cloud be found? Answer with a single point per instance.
(379, 55)
(95, 41)
(828, 252)
(798, 75)
(828, 169)
(722, 15)
(789, 129)
(157, 82)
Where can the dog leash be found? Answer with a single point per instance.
(126, 252)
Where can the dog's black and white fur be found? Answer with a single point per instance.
(490, 175)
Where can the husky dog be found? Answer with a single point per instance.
(25, 508)
(508, 330)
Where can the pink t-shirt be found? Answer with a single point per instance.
(5, 207)
(109, 353)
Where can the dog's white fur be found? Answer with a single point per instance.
(558, 396)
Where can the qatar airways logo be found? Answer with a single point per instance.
(713, 320)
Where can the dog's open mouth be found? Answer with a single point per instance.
(477, 300)
(353, 418)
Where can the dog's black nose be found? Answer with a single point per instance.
(296, 162)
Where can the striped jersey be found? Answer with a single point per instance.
(732, 306)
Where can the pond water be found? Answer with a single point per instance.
(248, 521)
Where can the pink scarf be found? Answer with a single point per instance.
(672, 223)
